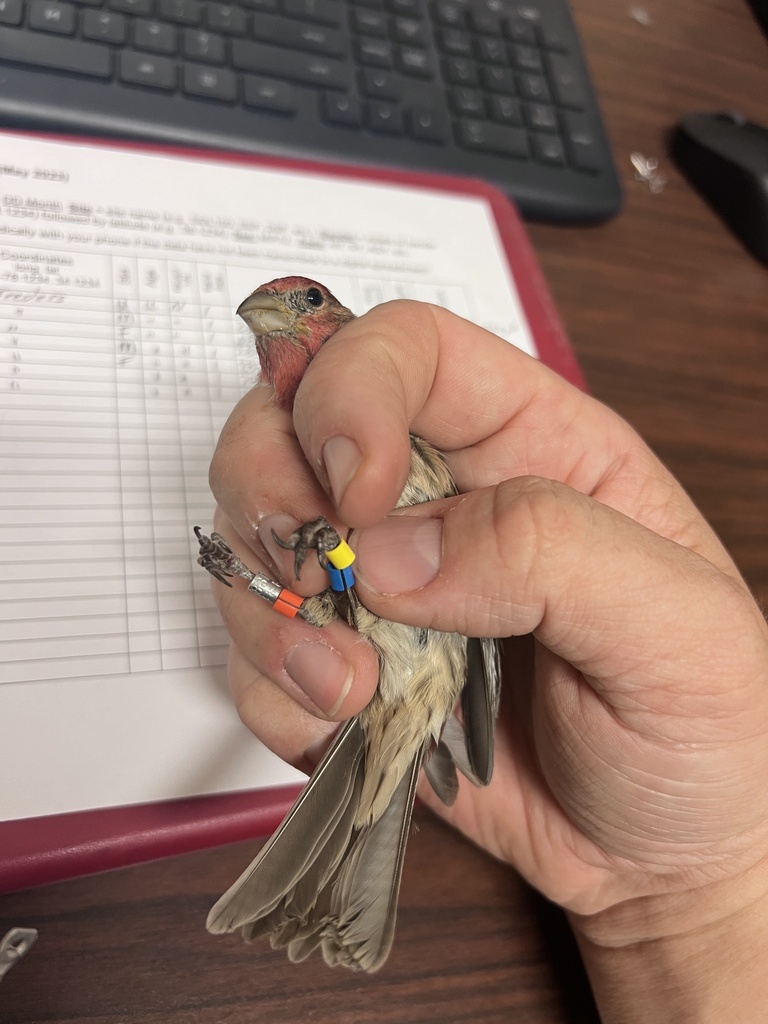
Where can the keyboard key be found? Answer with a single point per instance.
(407, 7)
(492, 138)
(339, 108)
(200, 45)
(181, 12)
(449, 14)
(276, 62)
(58, 52)
(553, 37)
(52, 16)
(427, 124)
(324, 12)
(566, 82)
(104, 25)
(143, 8)
(226, 18)
(520, 31)
(268, 94)
(496, 79)
(526, 58)
(379, 84)
(460, 71)
(143, 69)
(541, 116)
(533, 87)
(485, 22)
(212, 83)
(154, 36)
(506, 110)
(370, 23)
(413, 61)
(296, 35)
(529, 13)
(410, 31)
(491, 51)
(580, 138)
(377, 53)
(548, 149)
(468, 102)
(10, 12)
(451, 40)
(385, 118)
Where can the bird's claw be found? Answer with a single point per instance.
(318, 534)
(219, 559)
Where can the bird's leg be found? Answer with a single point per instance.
(318, 534)
(220, 560)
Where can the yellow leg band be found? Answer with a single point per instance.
(342, 556)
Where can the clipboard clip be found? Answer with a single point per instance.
(14, 945)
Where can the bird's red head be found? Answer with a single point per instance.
(291, 318)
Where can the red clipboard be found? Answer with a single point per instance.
(37, 851)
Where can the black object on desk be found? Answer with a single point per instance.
(726, 158)
(493, 89)
(760, 11)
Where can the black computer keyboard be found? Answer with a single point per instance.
(495, 89)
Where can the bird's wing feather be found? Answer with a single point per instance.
(480, 705)
(454, 740)
(440, 767)
(318, 827)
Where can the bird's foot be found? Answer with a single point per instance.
(318, 534)
(219, 559)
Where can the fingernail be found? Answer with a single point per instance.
(399, 554)
(341, 458)
(321, 672)
(283, 525)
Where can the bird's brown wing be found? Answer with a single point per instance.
(469, 743)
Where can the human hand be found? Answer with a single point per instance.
(632, 765)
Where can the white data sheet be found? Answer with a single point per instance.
(120, 359)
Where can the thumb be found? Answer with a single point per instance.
(531, 555)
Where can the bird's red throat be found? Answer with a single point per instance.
(283, 363)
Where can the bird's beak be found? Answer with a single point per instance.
(265, 313)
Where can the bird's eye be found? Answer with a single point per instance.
(315, 297)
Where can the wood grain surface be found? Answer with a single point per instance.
(669, 318)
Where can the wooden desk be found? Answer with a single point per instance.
(669, 317)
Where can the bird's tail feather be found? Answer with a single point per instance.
(363, 906)
(318, 827)
(321, 882)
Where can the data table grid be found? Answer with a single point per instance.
(115, 385)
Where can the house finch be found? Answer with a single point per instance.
(329, 877)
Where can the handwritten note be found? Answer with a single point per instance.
(120, 359)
